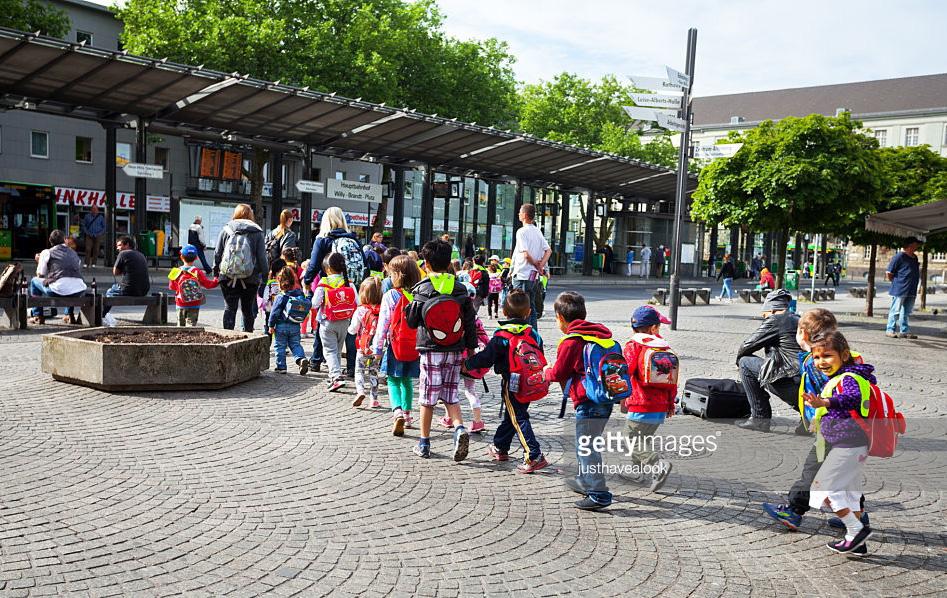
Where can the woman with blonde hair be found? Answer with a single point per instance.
(240, 262)
(281, 237)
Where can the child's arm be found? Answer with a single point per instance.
(384, 322)
(486, 358)
(356, 323)
(469, 317)
(318, 298)
(564, 369)
(207, 283)
(279, 304)
(845, 397)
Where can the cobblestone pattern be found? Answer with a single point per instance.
(275, 487)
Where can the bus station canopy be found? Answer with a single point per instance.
(57, 77)
(915, 221)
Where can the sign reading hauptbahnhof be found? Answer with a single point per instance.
(352, 190)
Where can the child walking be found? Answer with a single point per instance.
(838, 484)
(653, 369)
(267, 294)
(494, 287)
(363, 326)
(336, 301)
(395, 343)
(516, 346)
(472, 379)
(444, 317)
(187, 282)
(289, 309)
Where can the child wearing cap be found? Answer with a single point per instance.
(187, 283)
(653, 369)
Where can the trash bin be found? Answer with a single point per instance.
(147, 243)
(598, 260)
(792, 280)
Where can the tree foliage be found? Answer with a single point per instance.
(33, 15)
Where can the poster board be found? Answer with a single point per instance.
(687, 253)
(496, 236)
(233, 166)
(210, 163)
(213, 216)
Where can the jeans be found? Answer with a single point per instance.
(317, 356)
(628, 269)
(590, 421)
(287, 335)
(645, 269)
(245, 299)
(786, 389)
(116, 290)
(901, 308)
(38, 289)
(528, 286)
(516, 423)
(203, 258)
(727, 288)
(333, 336)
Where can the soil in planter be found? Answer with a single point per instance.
(161, 337)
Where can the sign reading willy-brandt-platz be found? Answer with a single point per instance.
(352, 190)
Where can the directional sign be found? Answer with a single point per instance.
(672, 123)
(647, 113)
(654, 83)
(678, 78)
(143, 171)
(723, 150)
(354, 191)
(654, 100)
(305, 186)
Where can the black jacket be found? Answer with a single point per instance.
(727, 270)
(414, 313)
(776, 336)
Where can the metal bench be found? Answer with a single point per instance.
(155, 304)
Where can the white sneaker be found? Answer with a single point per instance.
(109, 321)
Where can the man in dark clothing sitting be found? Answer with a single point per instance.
(132, 266)
(778, 371)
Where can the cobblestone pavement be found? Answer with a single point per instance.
(277, 487)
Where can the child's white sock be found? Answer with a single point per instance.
(852, 526)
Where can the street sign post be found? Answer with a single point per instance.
(143, 171)
(654, 83)
(671, 123)
(679, 78)
(654, 100)
(305, 186)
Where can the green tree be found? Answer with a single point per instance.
(390, 51)
(33, 15)
(814, 174)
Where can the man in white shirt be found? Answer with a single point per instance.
(530, 255)
(645, 261)
(58, 273)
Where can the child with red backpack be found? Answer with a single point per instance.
(516, 354)
(336, 299)
(494, 288)
(363, 326)
(187, 282)
(841, 441)
(395, 343)
(654, 371)
(594, 374)
(471, 379)
(445, 321)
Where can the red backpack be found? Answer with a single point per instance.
(658, 364)
(363, 342)
(339, 302)
(402, 338)
(442, 314)
(527, 380)
(883, 424)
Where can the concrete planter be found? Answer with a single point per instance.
(72, 357)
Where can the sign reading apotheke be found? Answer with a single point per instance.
(352, 190)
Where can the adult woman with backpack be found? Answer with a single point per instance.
(240, 262)
(335, 237)
(280, 237)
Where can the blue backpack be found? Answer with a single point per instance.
(297, 308)
(606, 380)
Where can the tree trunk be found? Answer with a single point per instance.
(781, 260)
(796, 253)
(260, 157)
(604, 231)
(870, 297)
(824, 258)
(923, 289)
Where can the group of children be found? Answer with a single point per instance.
(420, 323)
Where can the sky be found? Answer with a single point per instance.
(742, 45)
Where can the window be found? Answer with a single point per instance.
(910, 136)
(340, 175)
(84, 149)
(39, 144)
(364, 178)
(161, 157)
(84, 36)
(882, 136)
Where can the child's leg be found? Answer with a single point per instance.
(505, 432)
(360, 371)
(473, 398)
(266, 329)
(590, 422)
(280, 339)
(192, 315)
(182, 318)
(295, 346)
(640, 437)
(407, 393)
(395, 392)
(372, 371)
(332, 348)
(524, 430)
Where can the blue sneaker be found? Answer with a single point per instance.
(423, 449)
(784, 515)
(461, 443)
(838, 524)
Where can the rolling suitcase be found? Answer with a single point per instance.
(711, 398)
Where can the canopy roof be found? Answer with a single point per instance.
(915, 221)
(58, 77)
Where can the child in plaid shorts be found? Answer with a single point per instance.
(445, 319)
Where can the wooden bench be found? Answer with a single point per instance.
(155, 304)
(88, 305)
(15, 312)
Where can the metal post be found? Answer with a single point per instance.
(427, 207)
(460, 217)
(141, 184)
(305, 207)
(276, 202)
(552, 223)
(447, 206)
(491, 213)
(475, 202)
(517, 204)
(110, 193)
(397, 239)
(564, 227)
(589, 233)
(679, 199)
